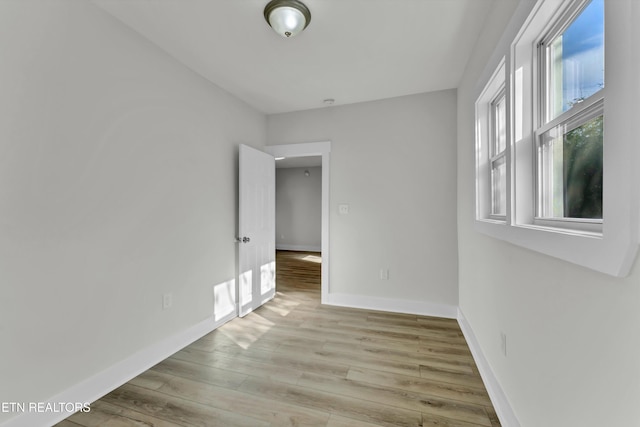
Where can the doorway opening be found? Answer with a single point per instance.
(297, 153)
(299, 223)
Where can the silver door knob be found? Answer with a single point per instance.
(246, 240)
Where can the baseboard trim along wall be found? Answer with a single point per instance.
(301, 248)
(422, 308)
(498, 398)
(104, 382)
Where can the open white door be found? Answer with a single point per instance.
(257, 228)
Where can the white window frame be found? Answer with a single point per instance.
(485, 142)
(610, 248)
(580, 112)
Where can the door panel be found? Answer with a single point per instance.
(257, 228)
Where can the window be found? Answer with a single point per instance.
(570, 132)
(556, 149)
(491, 148)
(497, 153)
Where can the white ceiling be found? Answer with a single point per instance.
(352, 51)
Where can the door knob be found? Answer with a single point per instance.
(243, 239)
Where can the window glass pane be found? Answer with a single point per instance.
(499, 125)
(570, 171)
(576, 61)
(499, 187)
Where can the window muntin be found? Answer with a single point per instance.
(570, 136)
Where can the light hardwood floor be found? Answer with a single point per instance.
(294, 362)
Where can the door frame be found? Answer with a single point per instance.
(305, 149)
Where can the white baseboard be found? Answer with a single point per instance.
(301, 248)
(104, 382)
(496, 394)
(422, 308)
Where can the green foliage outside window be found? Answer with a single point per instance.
(582, 158)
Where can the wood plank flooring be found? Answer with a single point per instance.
(294, 362)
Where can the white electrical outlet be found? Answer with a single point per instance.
(503, 343)
(343, 209)
(167, 301)
(384, 274)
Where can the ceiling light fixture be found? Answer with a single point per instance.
(287, 17)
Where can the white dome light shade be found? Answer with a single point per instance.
(287, 21)
(287, 17)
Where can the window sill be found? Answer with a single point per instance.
(578, 227)
(502, 221)
(562, 230)
(611, 252)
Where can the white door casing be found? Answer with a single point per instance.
(257, 229)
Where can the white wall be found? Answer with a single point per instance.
(572, 334)
(393, 162)
(298, 209)
(117, 184)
